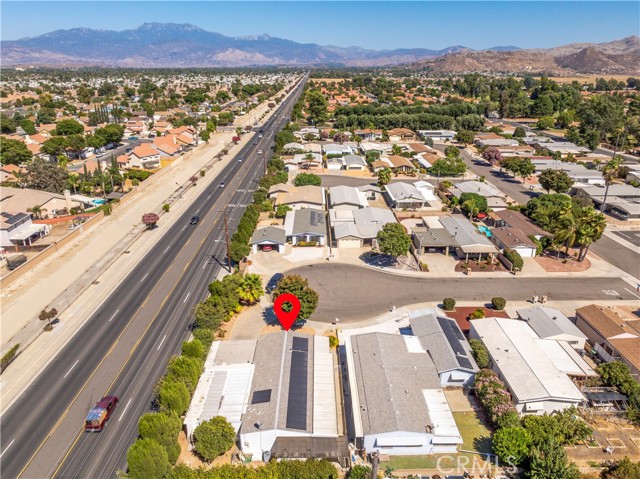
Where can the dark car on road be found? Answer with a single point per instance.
(273, 282)
(195, 220)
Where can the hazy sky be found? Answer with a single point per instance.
(376, 25)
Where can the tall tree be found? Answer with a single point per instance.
(384, 176)
(590, 228)
(46, 176)
(549, 460)
(250, 289)
(394, 240)
(13, 152)
(610, 171)
(557, 180)
(299, 287)
(316, 106)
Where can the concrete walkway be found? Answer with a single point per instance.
(46, 284)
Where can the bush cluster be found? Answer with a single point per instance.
(449, 304)
(617, 374)
(515, 258)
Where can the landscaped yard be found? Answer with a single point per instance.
(475, 435)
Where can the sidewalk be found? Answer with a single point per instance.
(59, 273)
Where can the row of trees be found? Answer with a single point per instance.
(157, 449)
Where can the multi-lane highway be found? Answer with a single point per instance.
(123, 349)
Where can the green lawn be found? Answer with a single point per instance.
(475, 436)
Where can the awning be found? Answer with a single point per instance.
(27, 232)
(446, 440)
(399, 441)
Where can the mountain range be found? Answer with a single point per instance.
(184, 45)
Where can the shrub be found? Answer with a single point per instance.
(162, 428)
(193, 349)
(514, 257)
(360, 472)
(205, 336)
(303, 179)
(333, 342)
(186, 370)
(173, 396)
(8, 357)
(480, 353)
(213, 438)
(477, 314)
(511, 444)
(147, 460)
(449, 304)
(498, 303)
(166, 207)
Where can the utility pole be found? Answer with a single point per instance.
(226, 234)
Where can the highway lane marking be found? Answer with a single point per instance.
(160, 345)
(74, 365)
(631, 292)
(167, 248)
(125, 409)
(135, 346)
(144, 277)
(114, 315)
(7, 448)
(198, 211)
(183, 228)
(186, 297)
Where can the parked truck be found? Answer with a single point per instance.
(100, 413)
(15, 260)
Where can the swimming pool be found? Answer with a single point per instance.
(98, 202)
(484, 230)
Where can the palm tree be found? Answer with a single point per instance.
(36, 211)
(591, 226)
(610, 171)
(250, 289)
(74, 182)
(396, 150)
(566, 232)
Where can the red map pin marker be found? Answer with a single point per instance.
(286, 318)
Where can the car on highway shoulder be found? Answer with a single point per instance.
(194, 220)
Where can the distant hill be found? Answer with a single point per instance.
(184, 45)
(616, 57)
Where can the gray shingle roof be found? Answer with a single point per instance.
(308, 221)
(442, 345)
(547, 322)
(390, 383)
(271, 351)
(270, 234)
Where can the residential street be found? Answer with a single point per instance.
(356, 293)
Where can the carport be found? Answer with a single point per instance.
(270, 238)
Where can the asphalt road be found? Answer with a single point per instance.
(631, 236)
(124, 347)
(354, 293)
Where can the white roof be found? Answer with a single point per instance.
(223, 388)
(529, 372)
(26, 232)
(483, 189)
(565, 358)
(441, 417)
(325, 416)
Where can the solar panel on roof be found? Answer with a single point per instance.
(261, 396)
(300, 344)
(464, 362)
(297, 400)
(448, 331)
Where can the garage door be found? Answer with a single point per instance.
(349, 243)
